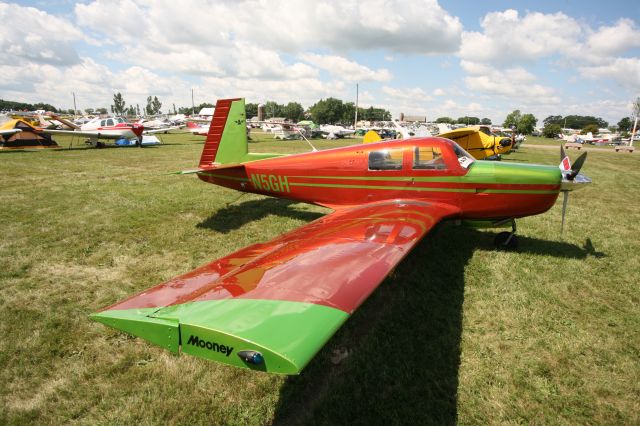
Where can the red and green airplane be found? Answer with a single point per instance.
(272, 306)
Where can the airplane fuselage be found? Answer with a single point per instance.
(349, 176)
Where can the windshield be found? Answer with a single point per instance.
(464, 158)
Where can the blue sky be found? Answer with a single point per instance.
(446, 58)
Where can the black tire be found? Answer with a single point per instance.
(500, 241)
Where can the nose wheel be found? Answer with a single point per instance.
(507, 240)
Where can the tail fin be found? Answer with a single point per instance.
(227, 138)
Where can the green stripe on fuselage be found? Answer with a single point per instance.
(480, 172)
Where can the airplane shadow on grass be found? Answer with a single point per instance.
(235, 216)
(403, 342)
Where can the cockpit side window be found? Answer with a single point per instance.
(386, 159)
(110, 122)
(428, 158)
(103, 123)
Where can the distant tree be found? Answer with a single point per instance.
(293, 111)
(551, 130)
(131, 111)
(251, 110)
(89, 111)
(593, 128)
(153, 105)
(374, 114)
(138, 110)
(625, 124)
(273, 109)
(101, 110)
(447, 120)
(580, 121)
(118, 106)
(523, 123)
(553, 119)
(527, 124)
(486, 121)
(45, 107)
(327, 111)
(470, 121)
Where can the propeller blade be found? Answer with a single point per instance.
(577, 166)
(565, 200)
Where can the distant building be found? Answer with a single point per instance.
(413, 118)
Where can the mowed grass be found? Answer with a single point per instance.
(459, 332)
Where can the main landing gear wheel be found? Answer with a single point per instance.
(507, 240)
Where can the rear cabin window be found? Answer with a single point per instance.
(387, 159)
(103, 123)
(110, 122)
(428, 158)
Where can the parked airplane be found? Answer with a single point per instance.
(197, 129)
(335, 132)
(480, 142)
(115, 128)
(273, 305)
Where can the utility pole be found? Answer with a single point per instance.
(355, 122)
(193, 106)
(74, 103)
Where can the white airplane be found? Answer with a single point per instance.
(197, 129)
(335, 132)
(114, 128)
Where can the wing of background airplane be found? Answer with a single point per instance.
(272, 306)
(458, 133)
(9, 132)
(84, 133)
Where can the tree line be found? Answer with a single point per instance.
(336, 111)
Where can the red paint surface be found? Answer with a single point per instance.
(350, 251)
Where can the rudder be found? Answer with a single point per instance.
(227, 137)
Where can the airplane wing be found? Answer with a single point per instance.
(9, 132)
(84, 133)
(272, 306)
(459, 133)
(160, 130)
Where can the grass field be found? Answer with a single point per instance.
(459, 333)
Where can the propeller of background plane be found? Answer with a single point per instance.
(571, 179)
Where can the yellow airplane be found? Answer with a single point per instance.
(480, 142)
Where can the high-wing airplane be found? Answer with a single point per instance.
(273, 305)
(335, 132)
(480, 142)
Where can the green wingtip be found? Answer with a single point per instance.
(162, 332)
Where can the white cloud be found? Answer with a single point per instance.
(419, 26)
(625, 71)
(516, 83)
(415, 94)
(507, 37)
(30, 35)
(346, 69)
(615, 39)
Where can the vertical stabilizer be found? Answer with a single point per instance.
(227, 138)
